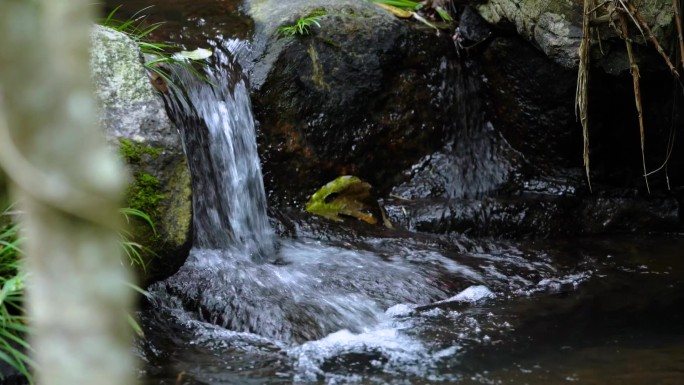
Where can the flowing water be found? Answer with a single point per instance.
(217, 127)
(334, 304)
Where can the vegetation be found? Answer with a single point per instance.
(400, 8)
(143, 194)
(13, 322)
(133, 152)
(302, 25)
(132, 249)
(137, 28)
(13, 325)
(421, 11)
(345, 196)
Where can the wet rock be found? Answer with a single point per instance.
(487, 143)
(365, 94)
(536, 215)
(531, 102)
(135, 120)
(472, 27)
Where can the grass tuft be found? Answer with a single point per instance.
(13, 323)
(302, 25)
(138, 30)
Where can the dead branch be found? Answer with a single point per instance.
(634, 69)
(680, 35)
(643, 25)
(582, 94)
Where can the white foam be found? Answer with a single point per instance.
(397, 353)
(471, 294)
(400, 310)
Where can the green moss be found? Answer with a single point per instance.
(144, 194)
(133, 152)
(318, 75)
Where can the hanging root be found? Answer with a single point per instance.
(680, 35)
(641, 23)
(634, 69)
(582, 94)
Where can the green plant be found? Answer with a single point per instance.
(133, 250)
(409, 8)
(139, 31)
(403, 4)
(302, 25)
(13, 322)
(13, 325)
(133, 152)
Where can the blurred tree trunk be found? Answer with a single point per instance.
(68, 184)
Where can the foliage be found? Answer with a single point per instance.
(345, 196)
(403, 4)
(133, 250)
(143, 195)
(12, 320)
(302, 25)
(137, 29)
(133, 152)
(409, 8)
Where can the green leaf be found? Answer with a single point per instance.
(444, 14)
(344, 196)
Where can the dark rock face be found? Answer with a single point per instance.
(365, 94)
(482, 140)
(532, 102)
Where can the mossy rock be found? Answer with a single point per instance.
(135, 121)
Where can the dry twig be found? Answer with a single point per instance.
(634, 70)
(582, 94)
(641, 23)
(680, 35)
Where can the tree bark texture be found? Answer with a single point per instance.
(68, 184)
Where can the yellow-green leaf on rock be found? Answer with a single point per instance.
(345, 196)
(398, 12)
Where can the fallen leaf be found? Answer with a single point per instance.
(344, 196)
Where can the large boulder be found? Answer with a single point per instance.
(487, 143)
(135, 120)
(365, 94)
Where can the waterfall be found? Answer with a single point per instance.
(217, 127)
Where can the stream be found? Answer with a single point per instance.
(295, 299)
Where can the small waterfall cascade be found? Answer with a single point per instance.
(227, 280)
(217, 127)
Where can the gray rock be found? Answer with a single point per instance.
(556, 26)
(135, 120)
